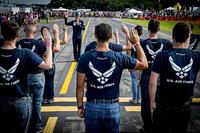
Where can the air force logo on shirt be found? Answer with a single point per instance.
(192, 44)
(32, 49)
(102, 77)
(8, 74)
(181, 72)
(154, 53)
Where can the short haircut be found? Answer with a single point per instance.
(44, 27)
(154, 25)
(30, 27)
(181, 32)
(139, 29)
(9, 30)
(103, 32)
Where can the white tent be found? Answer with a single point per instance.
(170, 9)
(60, 9)
(134, 11)
(197, 11)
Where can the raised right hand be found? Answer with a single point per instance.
(134, 37)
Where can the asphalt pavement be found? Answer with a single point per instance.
(60, 117)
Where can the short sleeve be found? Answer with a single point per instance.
(33, 60)
(128, 62)
(168, 44)
(116, 47)
(81, 65)
(87, 48)
(156, 67)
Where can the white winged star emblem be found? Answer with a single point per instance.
(102, 77)
(154, 53)
(8, 74)
(32, 49)
(181, 72)
(192, 44)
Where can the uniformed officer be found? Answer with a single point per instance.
(103, 68)
(151, 47)
(78, 25)
(177, 69)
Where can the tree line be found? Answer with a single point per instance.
(119, 5)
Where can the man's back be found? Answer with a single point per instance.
(103, 71)
(178, 69)
(151, 48)
(36, 46)
(14, 66)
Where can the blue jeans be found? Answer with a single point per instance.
(102, 117)
(135, 87)
(49, 83)
(14, 114)
(36, 86)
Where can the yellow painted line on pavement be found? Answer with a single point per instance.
(84, 34)
(132, 108)
(58, 109)
(121, 99)
(50, 126)
(196, 100)
(72, 68)
(68, 78)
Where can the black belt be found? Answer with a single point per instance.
(103, 100)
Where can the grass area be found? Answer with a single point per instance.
(165, 26)
(44, 21)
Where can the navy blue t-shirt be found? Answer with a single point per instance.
(114, 47)
(103, 71)
(1, 42)
(77, 27)
(178, 70)
(36, 46)
(194, 41)
(14, 66)
(151, 47)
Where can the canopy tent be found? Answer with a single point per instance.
(197, 11)
(169, 9)
(60, 9)
(134, 11)
(177, 7)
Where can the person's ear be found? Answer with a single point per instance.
(17, 34)
(173, 38)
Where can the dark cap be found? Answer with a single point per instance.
(77, 14)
